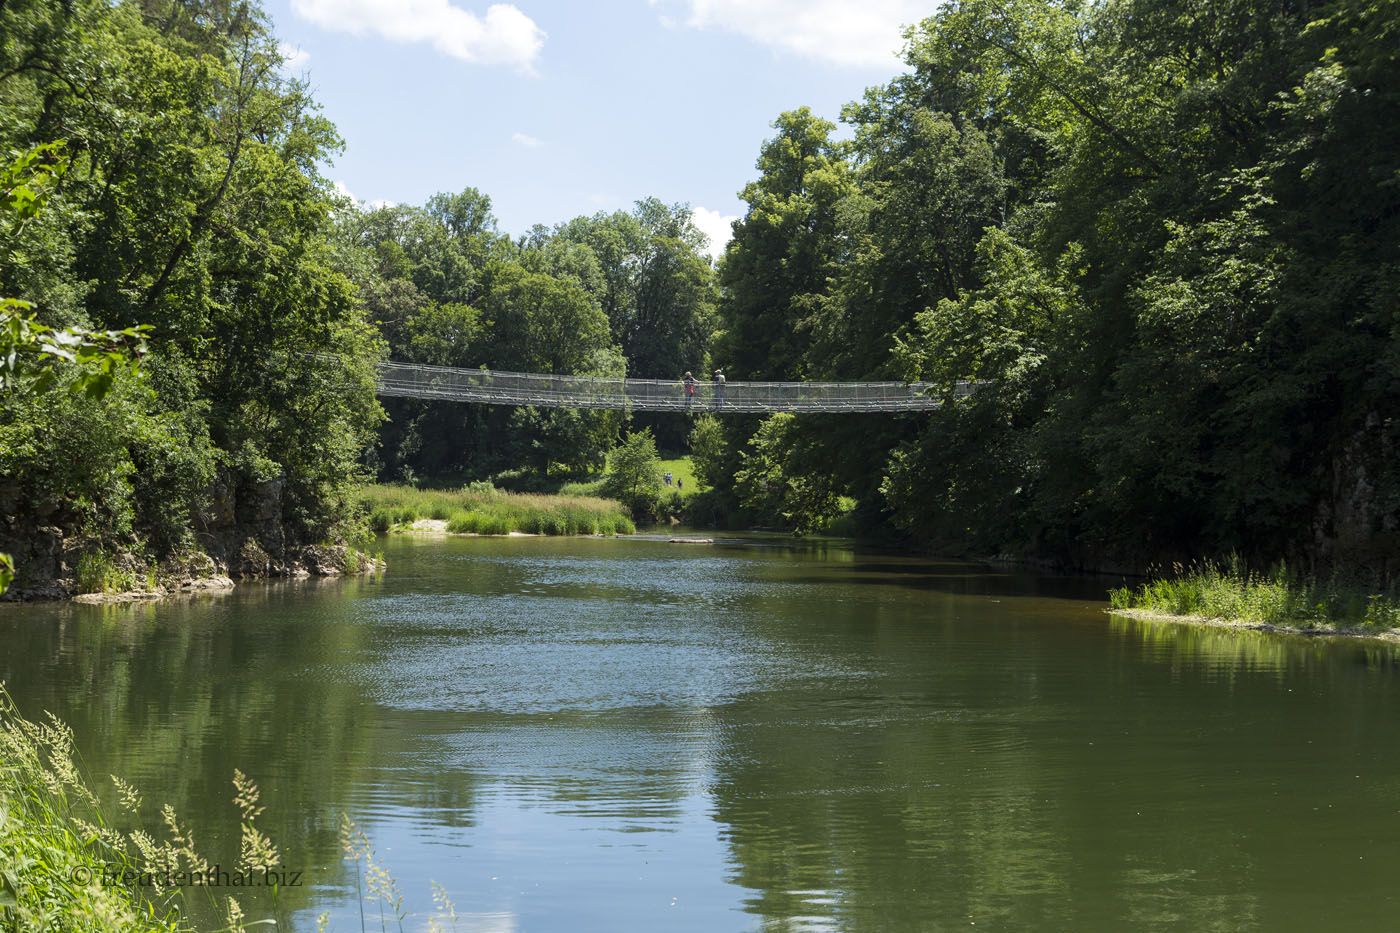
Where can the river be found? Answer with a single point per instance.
(627, 734)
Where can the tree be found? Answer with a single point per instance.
(33, 357)
(776, 482)
(564, 436)
(785, 250)
(1174, 313)
(708, 452)
(634, 473)
(192, 203)
(656, 285)
(539, 324)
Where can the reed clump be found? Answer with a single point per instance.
(1279, 597)
(482, 509)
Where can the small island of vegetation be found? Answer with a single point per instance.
(1277, 601)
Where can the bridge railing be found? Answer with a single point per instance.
(508, 388)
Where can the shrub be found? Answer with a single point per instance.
(464, 523)
(97, 572)
(380, 521)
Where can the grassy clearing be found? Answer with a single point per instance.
(682, 470)
(482, 509)
(1279, 598)
(679, 468)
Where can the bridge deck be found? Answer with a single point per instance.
(408, 380)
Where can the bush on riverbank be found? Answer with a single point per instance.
(1279, 598)
(483, 509)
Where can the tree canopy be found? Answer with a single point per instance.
(189, 203)
(1165, 232)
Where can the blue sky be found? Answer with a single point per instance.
(557, 109)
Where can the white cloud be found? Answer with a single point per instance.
(504, 36)
(716, 226)
(854, 33)
(374, 204)
(528, 142)
(294, 57)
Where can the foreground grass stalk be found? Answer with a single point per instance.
(57, 852)
(64, 867)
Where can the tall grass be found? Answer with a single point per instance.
(97, 572)
(1232, 592)
(63, 867)
(55, 847)
(481, 509)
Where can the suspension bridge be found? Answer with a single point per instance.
(407, 380)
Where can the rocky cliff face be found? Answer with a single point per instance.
(1356, 527)
(240, 535)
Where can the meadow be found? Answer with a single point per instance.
(480, 508)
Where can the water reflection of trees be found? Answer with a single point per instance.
(1047, 794)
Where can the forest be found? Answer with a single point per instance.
(1164, 234)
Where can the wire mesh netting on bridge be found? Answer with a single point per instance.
(501, 388)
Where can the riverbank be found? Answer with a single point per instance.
(87, 575)
(482, 509)
(1232, 597)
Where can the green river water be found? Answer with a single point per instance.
(627, 734)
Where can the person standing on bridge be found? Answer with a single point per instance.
(688, 386)
(718, 380)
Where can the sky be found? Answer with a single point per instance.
(557, 108)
